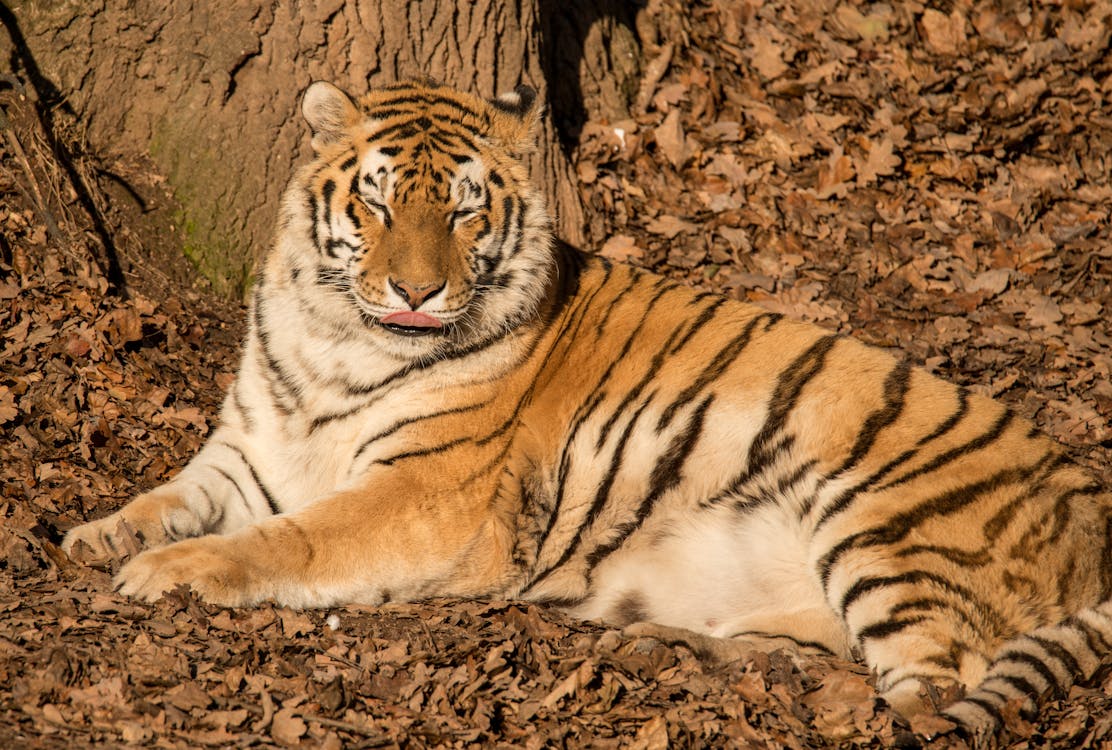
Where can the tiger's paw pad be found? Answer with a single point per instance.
(201, 563)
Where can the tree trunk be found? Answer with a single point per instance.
(211, 90)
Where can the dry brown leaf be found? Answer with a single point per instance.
(992, 282)
(286, 727)
(1044, 312)
(880, 161)
(8, 409)
(670, 226)
(833, 175)
(188, 696)
(653, 735)
(943, 34)
(621, 248)
(767, 57)
(669, 137)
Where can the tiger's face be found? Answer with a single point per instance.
(424, 232)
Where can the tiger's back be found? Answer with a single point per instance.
(436, 399)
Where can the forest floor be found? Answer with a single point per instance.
(927, 181)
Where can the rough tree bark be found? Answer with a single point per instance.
(211, 90)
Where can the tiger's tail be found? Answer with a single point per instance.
(1044, 662)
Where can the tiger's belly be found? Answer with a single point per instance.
(719, 572)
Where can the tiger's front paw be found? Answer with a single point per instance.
(151, 520)
(102, 540)
(206, 564)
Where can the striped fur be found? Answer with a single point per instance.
(543, 424)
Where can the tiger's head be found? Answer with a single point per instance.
(416, 223)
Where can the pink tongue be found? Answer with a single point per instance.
(412, 319)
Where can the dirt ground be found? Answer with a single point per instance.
(932, 181)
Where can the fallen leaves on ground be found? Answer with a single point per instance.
(935, 180)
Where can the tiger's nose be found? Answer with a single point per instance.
(415, 295)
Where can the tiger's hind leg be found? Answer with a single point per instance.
(921, 647)
(1047, 660)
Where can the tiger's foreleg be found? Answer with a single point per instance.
(364, 546)
(217, 491)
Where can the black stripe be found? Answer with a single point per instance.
(1062, 654)
(951, 421)
(337, 243)
(896, 385)
(215, 518)
(243, 412)
(992, 711)
(328, 190)
(348, 163)
(1019, 683)
(901, 524)
(795, 477)
(602, 495)
(363, 390)
(933, 604)
(479, 441)
(769, 443)
(616, 300)
(1037, 664)
(997, 429)
(310, 550)
(634, 393)
(404, 423)
(844, 500)
(697, 325)
(407, 128)
(1065, 579)
(431, 450)
(274, 370)
(717, 367)
(967, 558)
(666, 475)
(508, 205)
(417, 96)
(584, 305)
(946, 660)
(1097, 641)
(255, 476)
(798, 642)
(867, 584)
(881, 630)
(595, 398)
(235, 484)
(519, 226)
(788, 389)
(314, 218)
(352, 216)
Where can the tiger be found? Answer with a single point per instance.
(438, 398)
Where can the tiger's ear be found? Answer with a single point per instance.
(515, 120)
(329, 112)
